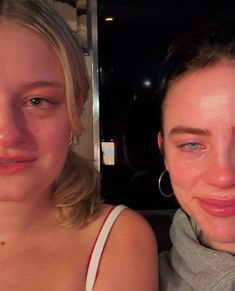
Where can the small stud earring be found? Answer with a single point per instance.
(71, 139)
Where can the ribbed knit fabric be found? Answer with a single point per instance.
(191, 266)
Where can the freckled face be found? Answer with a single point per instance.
(34, 123)
(199, 144)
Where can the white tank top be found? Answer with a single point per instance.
(99, 246)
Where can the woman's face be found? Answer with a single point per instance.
(34, 124)
(199, 147)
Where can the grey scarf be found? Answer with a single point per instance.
(191, 266)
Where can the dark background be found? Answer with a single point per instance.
(131, 50)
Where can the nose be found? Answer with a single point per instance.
(11, 125)
(221, 170)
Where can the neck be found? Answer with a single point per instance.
(19, 218)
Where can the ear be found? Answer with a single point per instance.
(160, 142)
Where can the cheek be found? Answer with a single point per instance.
(53, 135)
(184, 177)
(53, 147)
(178, 177)
(181, 182)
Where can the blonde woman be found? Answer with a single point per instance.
(54, 232)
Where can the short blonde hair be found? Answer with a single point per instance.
(75, 194)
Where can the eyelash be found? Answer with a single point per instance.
(196, 146)
(40, 100)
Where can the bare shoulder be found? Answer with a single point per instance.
(131, 226)
(129, 260)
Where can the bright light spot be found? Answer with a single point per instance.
(108, 19)
(147, 83)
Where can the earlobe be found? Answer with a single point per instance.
(160, 141)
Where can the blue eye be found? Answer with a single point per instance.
(192, 145)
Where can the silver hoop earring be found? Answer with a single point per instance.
(159, 185)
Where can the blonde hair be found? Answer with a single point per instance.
(75, 194)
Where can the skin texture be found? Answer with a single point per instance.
(37, 253)
(199, 149)
(38, 132)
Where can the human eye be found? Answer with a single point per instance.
(39, 102)
(192, 146)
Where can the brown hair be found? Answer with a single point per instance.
(203, 46)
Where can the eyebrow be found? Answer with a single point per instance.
(190, 130)
(37, 84)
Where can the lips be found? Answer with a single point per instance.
(13, 165)
(218, 207)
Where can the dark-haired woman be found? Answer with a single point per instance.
(197, 141)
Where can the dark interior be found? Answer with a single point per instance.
(131, 50)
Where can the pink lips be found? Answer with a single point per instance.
(14, 164)
(218, 207)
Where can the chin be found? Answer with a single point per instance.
(220, 238)
(217, 230)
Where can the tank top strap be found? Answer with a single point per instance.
(95, 256)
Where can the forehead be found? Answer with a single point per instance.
(27, 51)
(19, 33)
(201, 95)
(211, 84)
